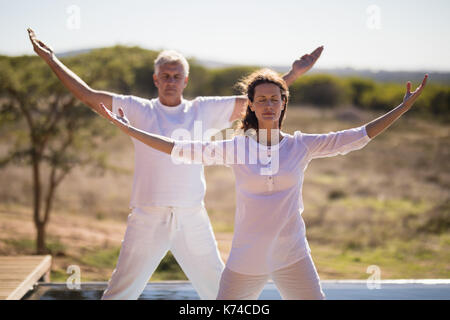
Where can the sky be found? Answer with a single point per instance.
(395, 35)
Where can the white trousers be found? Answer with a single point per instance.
(150, 233)
(298, 281)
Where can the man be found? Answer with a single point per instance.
(167, 205)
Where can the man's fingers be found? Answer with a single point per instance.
(316, 53)
(31, 34)
(408, 87)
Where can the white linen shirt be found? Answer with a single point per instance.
(269, 231)
(157, 181)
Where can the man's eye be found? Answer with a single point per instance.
(275, 100)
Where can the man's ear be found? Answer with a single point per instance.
(155, 80)
(186, 79)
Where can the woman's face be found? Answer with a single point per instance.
(267, 104)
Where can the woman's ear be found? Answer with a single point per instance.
(250, 105)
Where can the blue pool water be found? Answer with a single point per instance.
(334, 290)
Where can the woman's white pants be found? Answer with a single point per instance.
(150, 233)
(298, 281)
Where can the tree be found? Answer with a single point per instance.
(52, 132)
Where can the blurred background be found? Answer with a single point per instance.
(387, 205)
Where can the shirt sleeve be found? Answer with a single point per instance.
(134, 108)
(203, 152)
(334, 143)
(216, 111)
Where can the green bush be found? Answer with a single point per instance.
(358, 87)
(320, 90)
(384, 96)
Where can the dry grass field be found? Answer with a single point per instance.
(386, 205)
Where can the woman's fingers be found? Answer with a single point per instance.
(424, 81)
(408, 87)
(422, 85)
(105, 111)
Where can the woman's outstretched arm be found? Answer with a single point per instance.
(155, 141)
(378, 125)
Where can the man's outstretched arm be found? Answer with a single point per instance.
(299, 67)
(71, 81)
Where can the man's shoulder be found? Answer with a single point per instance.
(204, 102)
(135, 100)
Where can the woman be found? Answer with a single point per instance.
(269, 238)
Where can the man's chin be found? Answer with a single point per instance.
(171, 93)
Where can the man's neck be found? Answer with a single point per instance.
(170, 102)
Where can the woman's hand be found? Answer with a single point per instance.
(377, 126)
(120, 120)
(154, 141)
(411, 97)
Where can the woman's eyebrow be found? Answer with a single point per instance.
(263, 95)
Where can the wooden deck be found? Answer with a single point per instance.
(18, 274)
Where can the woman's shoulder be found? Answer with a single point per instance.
(295, 136)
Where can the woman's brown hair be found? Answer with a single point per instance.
(247, 87)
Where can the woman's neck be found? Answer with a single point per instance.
(269, 134)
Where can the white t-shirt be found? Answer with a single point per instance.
(157, 180)
(269, 231)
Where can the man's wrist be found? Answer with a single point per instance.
(51, 58)
(291, 76)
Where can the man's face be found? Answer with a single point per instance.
(170, 82)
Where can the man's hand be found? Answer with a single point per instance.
(42, 50)
(302, 65)
(306, 62)
(411, 97)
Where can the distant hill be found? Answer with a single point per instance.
(381, 76)
(72, 53)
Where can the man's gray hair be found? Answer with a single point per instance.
(171, 56)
